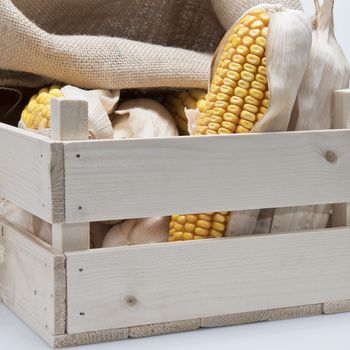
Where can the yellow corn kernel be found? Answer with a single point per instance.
(241, 92)
(230, 117)
(241, 130)
(250, 108)
(187, 236)
(249, 68)
(243, 84)
(261, 79)
(258, 86)
(238, 59)
(247, 124)
(234, 69)
(199, 231)
(248, 116)
(247, 76)
(257, 50)
(234, 109)
(242, 50)
(257, 94)
(247, 41)
(253, 59)
(252, 101)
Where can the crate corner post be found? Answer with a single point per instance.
(69, 121)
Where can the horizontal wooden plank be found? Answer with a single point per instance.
(131, 286)
(115, 179)
(25, 176)
(32, 282)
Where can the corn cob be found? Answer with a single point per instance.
(176, 104)
(238, 97)
(36, 114)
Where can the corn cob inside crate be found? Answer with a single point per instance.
(37, 113)
(238, 97)
(176, 104)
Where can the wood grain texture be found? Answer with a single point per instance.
(128, 288)
(154, 177)
(25, 176)
(295, 312)
(28, 282)
(164, 328)
(67, 340)
(335, 307)
(263, 315)
(341, 211)
(235, 319)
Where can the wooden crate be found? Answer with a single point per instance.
(71, 295)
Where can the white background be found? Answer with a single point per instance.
(342, 23)
(330, 332)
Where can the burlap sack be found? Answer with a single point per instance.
(113, 44)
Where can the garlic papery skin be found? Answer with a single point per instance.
(138, 231)
(142, 118)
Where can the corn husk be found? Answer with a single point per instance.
(100, 104)
(138, 231)
(287, 53)
(328, 70)
(142, 118)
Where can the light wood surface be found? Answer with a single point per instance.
(28, 282)
(70, 237)
(154, 177)
(68, 340)
(341, 211)
(25, 176)
(164, 328)
(335, 307)
(131, 286)
(69, 121)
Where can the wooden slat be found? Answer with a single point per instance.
(187, 280)
(25, 176)
(341, 211)
(335, 307)
(69, 121)
(32, 282)
(152, 177)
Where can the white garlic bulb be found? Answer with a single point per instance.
(143, 118)
(328, 70)
(138, 231)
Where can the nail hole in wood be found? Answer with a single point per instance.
(331, 157)
(78, 155)
(81, 270)
(82, 313)
(34, 292)
(41, 155)
(131, 300)
(80, 207)
(46, 326)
